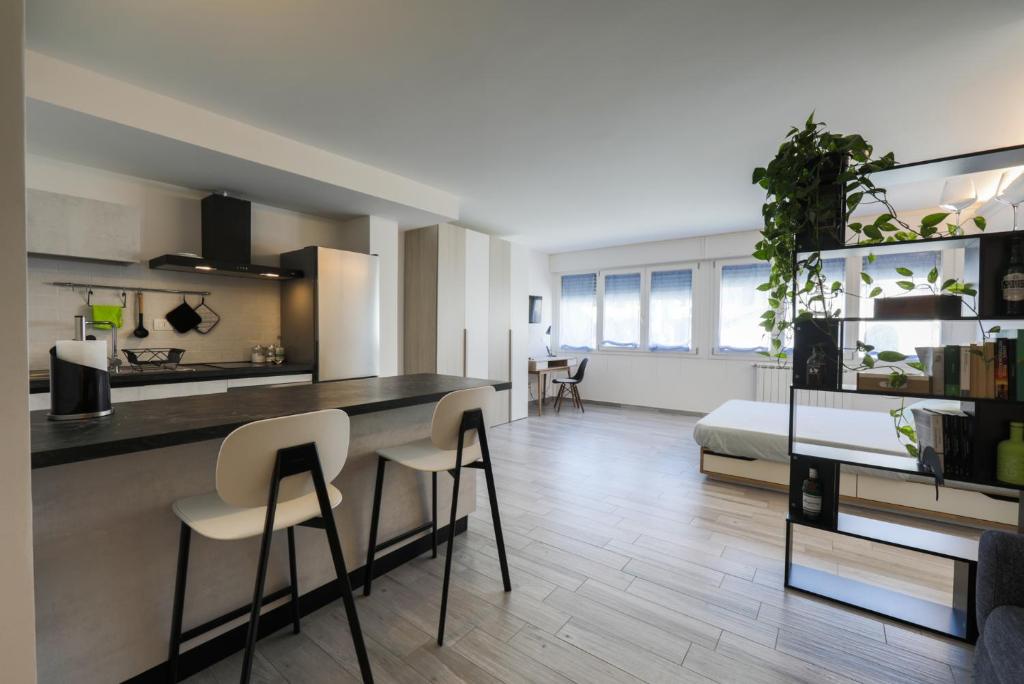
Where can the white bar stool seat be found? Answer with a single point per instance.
(458, 439)
(422, 455)
(212, 517)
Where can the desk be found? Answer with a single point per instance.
(550, 365)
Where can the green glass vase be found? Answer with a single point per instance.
(1010, 456)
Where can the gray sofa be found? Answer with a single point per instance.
(999, 655)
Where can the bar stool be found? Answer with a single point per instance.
(271, 475)
(458, 439)
(572, 386)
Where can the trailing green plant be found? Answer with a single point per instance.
(815, 183)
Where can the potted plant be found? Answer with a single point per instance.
(813, 186)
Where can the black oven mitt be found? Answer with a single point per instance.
(183, 317)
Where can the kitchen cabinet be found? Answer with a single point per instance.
(81, 228)
(41, 400)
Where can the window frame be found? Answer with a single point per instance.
(556, 314)
(645, 293)
(716, 313)
(644, 306)
(694, 268)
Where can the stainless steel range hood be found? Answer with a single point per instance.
(227, 244)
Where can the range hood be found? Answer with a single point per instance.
(227, 244)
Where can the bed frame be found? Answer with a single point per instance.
(961, 506)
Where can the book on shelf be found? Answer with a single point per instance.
(987, 370)
(965, 370)
(951, 370)
(950, 433)
(1014, 364)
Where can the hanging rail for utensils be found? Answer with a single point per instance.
(132, 288)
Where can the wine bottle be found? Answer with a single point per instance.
(1013, 279)
(812, 495)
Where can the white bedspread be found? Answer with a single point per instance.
(757, 429)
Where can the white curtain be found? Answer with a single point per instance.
(577, 312)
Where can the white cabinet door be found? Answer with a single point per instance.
(477, 262)
(451, 299)
(499, 319)
(348, 315)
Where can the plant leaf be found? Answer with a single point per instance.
(866, 278)
(891, 356)
(933, 275)
(933, 219)
(980, 222)
(905, 284)
(904, 271)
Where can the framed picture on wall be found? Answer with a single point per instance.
(536, 302)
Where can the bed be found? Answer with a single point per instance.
(747, 442)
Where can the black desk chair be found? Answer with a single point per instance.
(571, 386)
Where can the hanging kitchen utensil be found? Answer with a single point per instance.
(183, 317)
(140, 330)
(209, 317)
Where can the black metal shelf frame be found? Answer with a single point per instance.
(956, 620)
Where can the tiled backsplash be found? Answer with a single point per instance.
(170, 222)
(249, 309)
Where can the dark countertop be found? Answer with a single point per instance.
(141, 425)
(221, 370)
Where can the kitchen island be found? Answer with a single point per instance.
(106, 539)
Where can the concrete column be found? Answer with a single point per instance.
(17, 630)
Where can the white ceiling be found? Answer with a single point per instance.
(568, 124)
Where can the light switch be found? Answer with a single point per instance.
(161, 324)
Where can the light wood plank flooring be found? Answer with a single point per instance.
(627, 566)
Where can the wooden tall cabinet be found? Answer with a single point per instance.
(463, 293)
(446, 303)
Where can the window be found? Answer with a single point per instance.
(902, 336)
(577, 312)
(621, 310)
(671, 310)
(740, 305)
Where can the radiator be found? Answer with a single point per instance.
(771, 384)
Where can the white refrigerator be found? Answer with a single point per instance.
(330, 318)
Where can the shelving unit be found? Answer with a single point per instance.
(989, 255)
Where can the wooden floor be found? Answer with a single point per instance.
(627, 565)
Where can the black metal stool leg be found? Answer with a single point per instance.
(342, 572)
(295, 580)
(492, 494)
(178, 608)
(261, 577)
(371, 551)
(451, 542)
(558, 399)
(433, 515)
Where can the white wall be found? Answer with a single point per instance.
(688, 382)
(538, 277)
(17, 629)
(249, 309)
